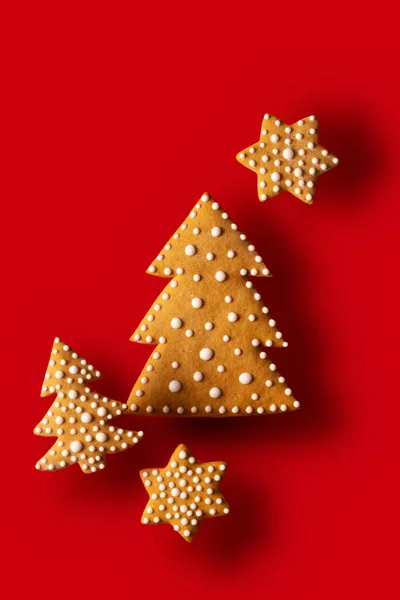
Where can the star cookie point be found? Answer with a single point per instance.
(184, 492)
(287, 158)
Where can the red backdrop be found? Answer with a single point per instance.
(115, 120)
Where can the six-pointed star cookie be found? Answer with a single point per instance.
(287, 157)
(184, 492)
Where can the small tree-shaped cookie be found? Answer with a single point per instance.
(210, 326)
(78, 416)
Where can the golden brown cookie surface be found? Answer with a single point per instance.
(211, 327)
(79, 417)
(287, 158)
(184, 493)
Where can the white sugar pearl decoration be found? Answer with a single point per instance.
(190, 250)
(288, 153)
(208, 326)
(274, 138)
(198, 376)
(86, 417)
(298, 172)
(210, 256)
(197, 302)
(231, 254)
(215, 392)
(176, 323)
(205, 197)
(288, 392)
(245, 378)
(206, 353)
(232, 317)
(275, 176)
(101, 437)
(216, 231)
(220, 275)
(102, 411)
(175, 386)
(59, 374)
(76, 446)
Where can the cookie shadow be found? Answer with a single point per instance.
(362, 155)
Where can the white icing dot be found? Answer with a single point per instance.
(288, 153)
(228, 299)
(220, 275)
(245, 378)
(215, 392)
(216, 231)
(222, 410)
(72, 394)
(190, 250)
(198, 376)
(182, 454)
(101, 437)
(232, 317)
(167, 271)
(175, 386)
(252, 163)
(208, 408)
(196, 277)
(210, 256)
(197, 302)
(205, 197)
(296, 404)
(220, 368)
(206, 353)
(59, 374)
(231, 254)
(76, 446)
(189, 333)
(298, 172)
(176, 323)
(175, 365)
(208, 326)
(288, 392)
(274, 138)
(86, 417)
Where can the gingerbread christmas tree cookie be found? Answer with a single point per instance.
(79, 417)
(287, 158)
(210, 326)
(184, 493)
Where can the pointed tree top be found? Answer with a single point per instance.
(208, 236)
(65, 365)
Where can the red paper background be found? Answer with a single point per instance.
(116, 117)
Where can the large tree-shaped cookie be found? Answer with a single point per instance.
(79, 417)
(210, 326)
